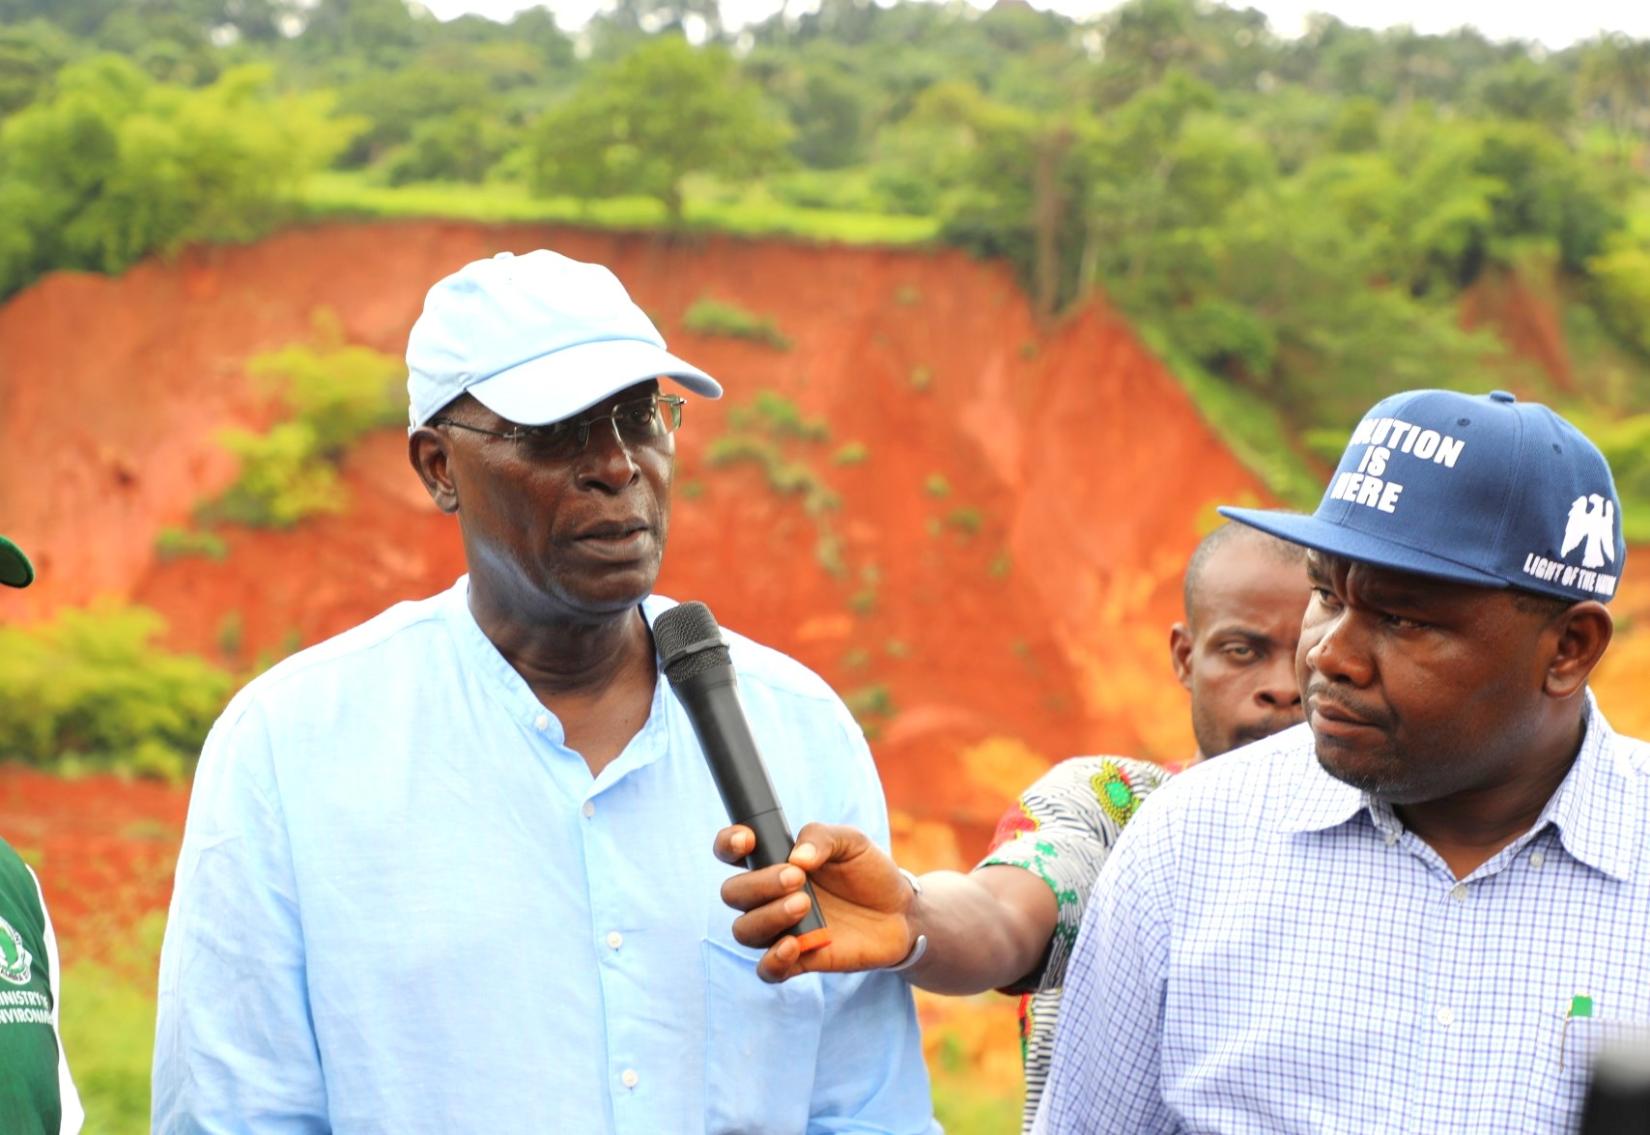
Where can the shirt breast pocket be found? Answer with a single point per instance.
(761, 1043)
(1556, 1091)
(1585, 1038)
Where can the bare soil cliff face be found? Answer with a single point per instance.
(1004, 562)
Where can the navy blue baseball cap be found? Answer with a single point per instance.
(1480, 489)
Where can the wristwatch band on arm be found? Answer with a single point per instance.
(920, 946)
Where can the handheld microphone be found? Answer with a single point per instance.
(697, 662)
(1618, 1100)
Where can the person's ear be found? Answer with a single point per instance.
(427, 449)
(1578, 639)
(1180, 653)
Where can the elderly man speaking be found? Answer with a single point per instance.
(449, 871)
(1426, 909)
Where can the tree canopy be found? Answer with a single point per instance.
(1296, 220)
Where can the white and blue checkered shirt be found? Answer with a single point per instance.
(1268, 951)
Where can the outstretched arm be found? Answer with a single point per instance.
(984, 930)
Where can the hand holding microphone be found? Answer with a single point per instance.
(700, 671)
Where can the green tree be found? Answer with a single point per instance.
(1615, 80)
(462, 146)
(115, 166)
(384, 33)
(30, 55)
(644, 124)
(1525, 90)
(1621, 283)
(92, 688)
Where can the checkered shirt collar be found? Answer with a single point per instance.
(1600, 810)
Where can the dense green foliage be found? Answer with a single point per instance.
(1293, 222)
(644, 123)
(334, 392)
(113, 165)
(708, 316)
(92, 690)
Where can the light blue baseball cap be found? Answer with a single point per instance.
(535, 338)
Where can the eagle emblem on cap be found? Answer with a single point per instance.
(1592, 522)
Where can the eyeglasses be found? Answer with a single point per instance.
(640, 421)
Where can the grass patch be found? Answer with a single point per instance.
(828, 554)
(765, 433)
(93, 689)
(936, 486)
(864, 600)
(869, 701)
(231, 634)
(776, 415)
(853, 453)
(334, 392)
(717, 317)
(752, 211)
(177, 543)
(965, 519)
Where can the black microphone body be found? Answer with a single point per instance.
(1618, 1099)
(701, 673)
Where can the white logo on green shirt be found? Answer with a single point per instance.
(15, 958)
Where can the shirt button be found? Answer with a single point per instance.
(1391, 838)
(541, 722)
(630, 1079)
(589, 809)
(1537, 859)
(1446, 1017)
(1459, 892)
(614, 939)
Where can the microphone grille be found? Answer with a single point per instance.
(689, 641)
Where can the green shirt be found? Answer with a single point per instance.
(36, 1094)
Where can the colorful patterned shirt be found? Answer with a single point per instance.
(1061, 830)
(37, 1097)
(1270, 952)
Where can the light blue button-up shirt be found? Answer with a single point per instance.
(403, 905)
(1268, 951)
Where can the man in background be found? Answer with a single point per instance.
(37, 1095)
(1235, 653)
(1426, 910)
(1010, 923)
(438, 871)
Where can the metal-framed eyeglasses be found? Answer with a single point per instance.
(645, 421)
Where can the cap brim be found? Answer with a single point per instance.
(555, 386)
(1338, 540)
(15, 569)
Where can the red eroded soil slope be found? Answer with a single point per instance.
(1004, 562)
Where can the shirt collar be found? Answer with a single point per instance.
(1320, 801)
(1599, 807)
(524, 707)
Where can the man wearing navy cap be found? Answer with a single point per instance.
(37, 1095)
(1425, 909)
(449, 871)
